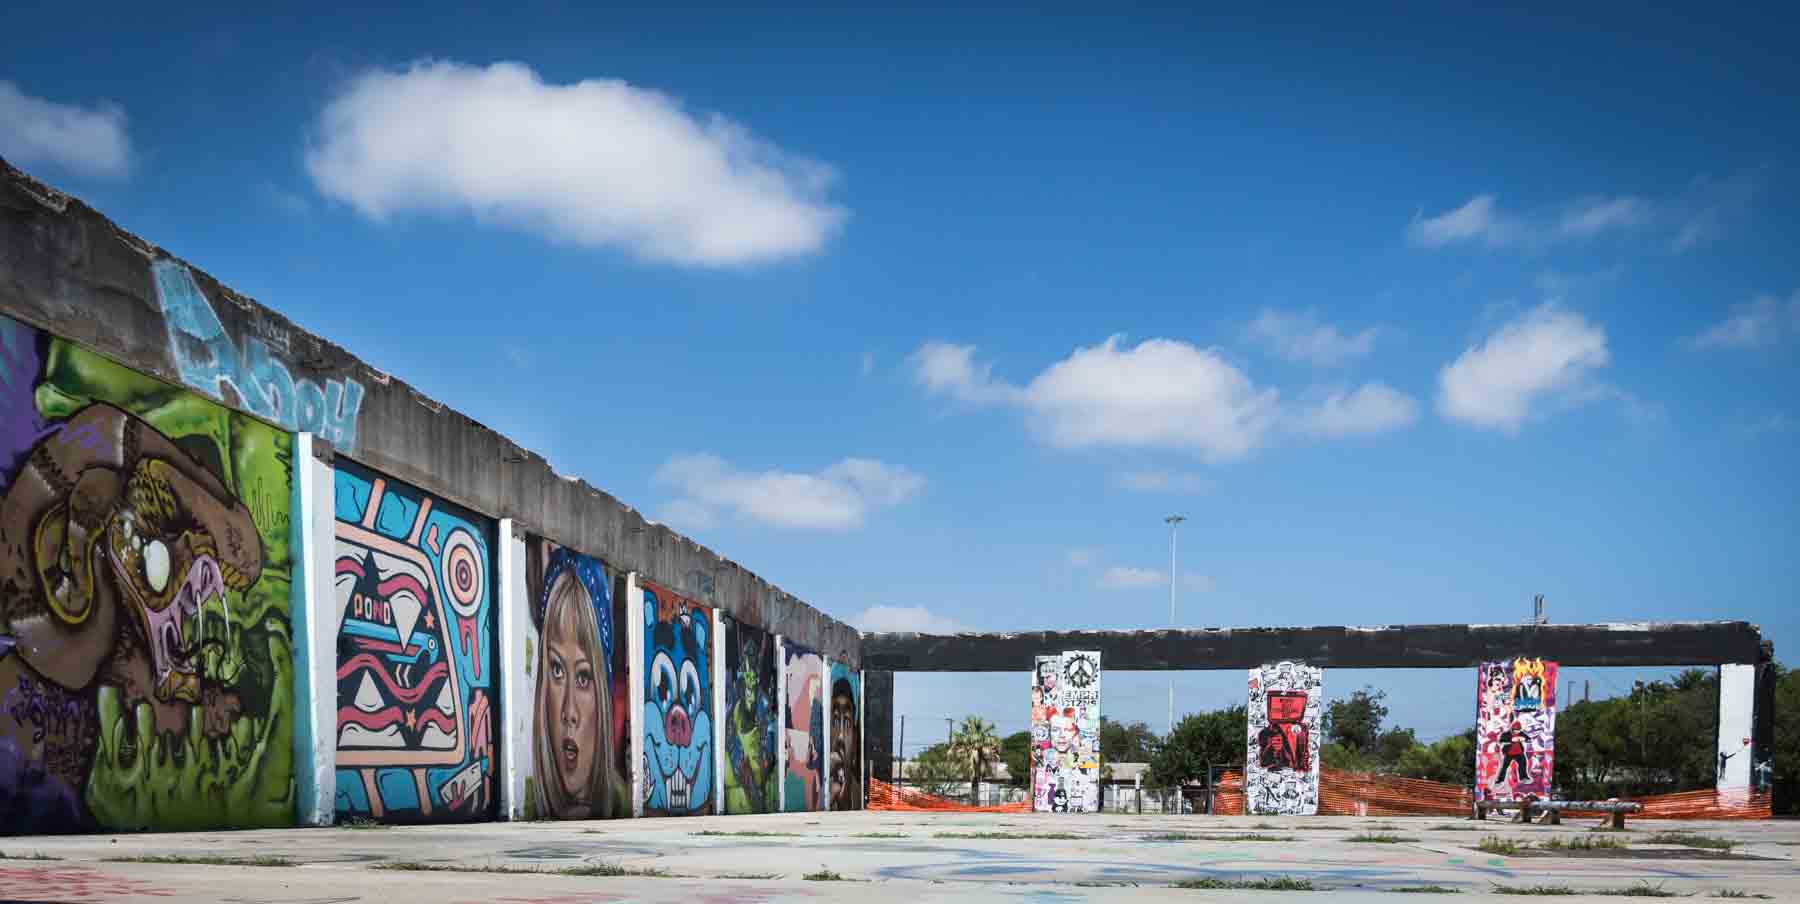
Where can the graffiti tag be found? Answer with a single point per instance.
(208, 360)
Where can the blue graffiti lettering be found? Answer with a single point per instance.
(208, 361)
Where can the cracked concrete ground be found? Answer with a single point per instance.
(899, 857)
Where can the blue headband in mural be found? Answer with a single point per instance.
(592, 575)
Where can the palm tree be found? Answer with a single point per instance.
(976, 744)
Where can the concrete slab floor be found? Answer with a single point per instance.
(894, 857)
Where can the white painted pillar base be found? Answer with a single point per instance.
(634, 652)
(314, 614)
(1737, 725)
(721, 761)
(517, 681)
(781, 724)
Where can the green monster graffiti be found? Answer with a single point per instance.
(145, 660)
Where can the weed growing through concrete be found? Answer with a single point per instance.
(1689, 839)
(204, 860)
(1007, 836)
(1736, 893)
(826, 874)
(1189, 836)
(1266, 883)
(1371, 838)
(31, 856)
(1584, 843)
(751, 876)
(1494, 844)
(879, 835)
(362, 822)
(1456, 828)
(1640, 890)
(718, 834)
(1426, 890)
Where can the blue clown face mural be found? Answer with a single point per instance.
(678, 728)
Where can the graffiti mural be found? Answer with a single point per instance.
(415, 654)
(750, 723)
(1065, 732)
(146, 672)
(846, 738)
(209, 361)
(1281, 766)
(803, 718)
(580, 691)
(678, 729)
(1515, 729)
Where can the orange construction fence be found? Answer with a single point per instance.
(883, 796)
(1360, 794)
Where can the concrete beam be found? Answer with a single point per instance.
(1387, 646)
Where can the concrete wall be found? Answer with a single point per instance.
(392, 578)
(67, 269)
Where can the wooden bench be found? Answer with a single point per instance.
(1552, 810)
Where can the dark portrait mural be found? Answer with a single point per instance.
(750, 711)
(580, 693)
(846, 739)
(1281, 774)
(146, 672)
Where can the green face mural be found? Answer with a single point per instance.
(145, 663)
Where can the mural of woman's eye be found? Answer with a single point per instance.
(556, 667)
(690, 685)
(156, 565)
(662, 678)
(584, 678)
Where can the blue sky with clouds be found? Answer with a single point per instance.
(931, 317)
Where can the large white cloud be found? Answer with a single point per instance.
(1545, 353)
(88, 141)
(597, 162)
(836, 498)
(1160, 393)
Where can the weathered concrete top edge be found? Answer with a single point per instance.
(69, 269)
(1393, 646)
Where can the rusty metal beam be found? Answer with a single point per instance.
(1388, 646)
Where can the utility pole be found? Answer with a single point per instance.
(1174, 522)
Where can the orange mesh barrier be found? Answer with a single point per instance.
(1360, 794)
(883, 796)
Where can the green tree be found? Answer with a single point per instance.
(1355, 724)
(935, 771)
(975, 747)
(1199, 741)
(1450, 760)
(1015, 752)
(1122, 743)
(1787, 736)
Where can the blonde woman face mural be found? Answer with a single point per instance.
(574, 704)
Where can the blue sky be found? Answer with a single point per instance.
(931, 317)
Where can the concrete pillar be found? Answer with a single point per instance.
(878, 723)
(721, 760)
(634, 650)
(1747, 725)
(314, 613)
(825, 775)
(781, 724)
(516, 677)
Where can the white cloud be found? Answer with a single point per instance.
(1371, 408)
(917, 619)
(1473, 220)
(1760, 322)
(1164, 481)
(1547, 352)
(1120, 577)
(945, 369)
(595, 163)
(86, 141)
(837, 498)
(1161, 393)
(1081, 557)
(1301, 337)
(1482, 220)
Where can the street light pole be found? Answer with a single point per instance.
(1174, 522)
